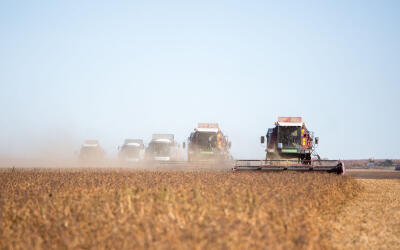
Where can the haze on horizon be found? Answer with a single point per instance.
(71, 71)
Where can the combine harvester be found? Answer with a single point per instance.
(163, 148)
(207, 143)
(290, 146)
(132, 151)
(91, 151)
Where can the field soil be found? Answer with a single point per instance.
(374, 173)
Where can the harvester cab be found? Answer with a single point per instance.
(289, 140)
(290, 146)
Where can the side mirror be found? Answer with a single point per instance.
(262, 139)
(316, 140)
(183, 145)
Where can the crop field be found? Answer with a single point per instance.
(120, 209)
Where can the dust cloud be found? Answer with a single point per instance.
(59, 148)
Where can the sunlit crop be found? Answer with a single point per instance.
(168, 209)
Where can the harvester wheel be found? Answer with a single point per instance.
(340, 168)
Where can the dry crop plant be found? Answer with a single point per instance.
(168, 209)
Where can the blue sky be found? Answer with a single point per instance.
(95, 69)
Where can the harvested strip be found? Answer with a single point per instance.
(371, 220)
